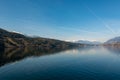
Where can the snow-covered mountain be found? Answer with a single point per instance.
(88, 42)
(113, 40)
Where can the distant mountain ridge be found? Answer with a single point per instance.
(12, 39)
(88, 42)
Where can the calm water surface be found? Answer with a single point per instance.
(90, 63)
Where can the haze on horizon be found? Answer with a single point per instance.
(94, 20)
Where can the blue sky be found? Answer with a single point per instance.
(62, 19)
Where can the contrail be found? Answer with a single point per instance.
(100, 19)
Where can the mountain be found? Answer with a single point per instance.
(12, 39)
(88, 42)
(113, 42)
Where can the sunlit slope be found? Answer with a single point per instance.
(12, 39)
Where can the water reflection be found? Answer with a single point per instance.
(114, 49)
(15, 54)
(84, 50)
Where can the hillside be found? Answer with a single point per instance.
(11, 39)
(113, 42)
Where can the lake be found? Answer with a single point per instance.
(87, 63)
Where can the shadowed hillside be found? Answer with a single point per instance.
(12, 39)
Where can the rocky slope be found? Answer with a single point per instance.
(12, 39)
(113, 42)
